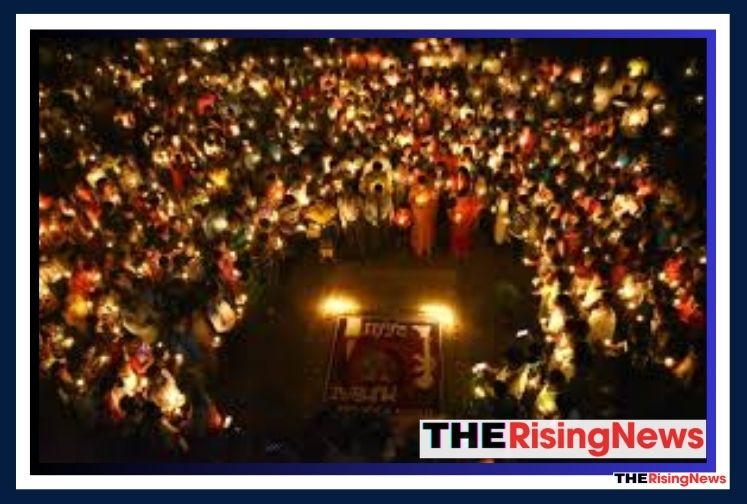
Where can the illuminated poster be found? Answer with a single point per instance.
(385, 364)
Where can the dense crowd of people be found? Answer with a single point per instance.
(176, 176)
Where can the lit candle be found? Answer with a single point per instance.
(422, 199)
(667, 130)
(220, 224)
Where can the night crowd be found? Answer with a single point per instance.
(177, 176)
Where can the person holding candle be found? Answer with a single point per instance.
(463, 217)
(520, 222)
(423, 204)
(350, 210)
(401, 181)
(502, 217)
(378, 211)
(602, 322)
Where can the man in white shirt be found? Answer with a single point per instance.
(377, 210)
(602, 324)
(350, 210)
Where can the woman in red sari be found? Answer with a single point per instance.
(463, 217)
(424, 204)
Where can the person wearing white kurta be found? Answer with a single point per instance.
(502, 219)
(545, 404)
(590, 291)
(562, 356)
(602, 324)
(548, 291)
(555, 322)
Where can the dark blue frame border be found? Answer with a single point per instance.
(402, 34)
(426, 468)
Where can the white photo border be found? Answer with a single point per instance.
(27, 22)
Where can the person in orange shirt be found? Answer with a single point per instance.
(424, 204)
(463, 217)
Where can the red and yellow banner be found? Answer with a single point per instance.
(386, 364)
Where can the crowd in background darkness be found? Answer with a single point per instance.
(177, 175)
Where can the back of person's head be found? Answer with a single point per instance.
(607, 298)
(556, 379)
(127, 404)
(535, 351)
(500, 389)
(565, 302)
(513, 356)
(566, 404)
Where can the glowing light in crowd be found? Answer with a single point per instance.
(209, 45)
(336, 305)
(441, 313)
(194, 212)
(637, 67)
(480, 367)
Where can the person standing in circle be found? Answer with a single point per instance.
(424, 204)
(463, 218)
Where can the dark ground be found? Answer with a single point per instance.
(276, 372)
